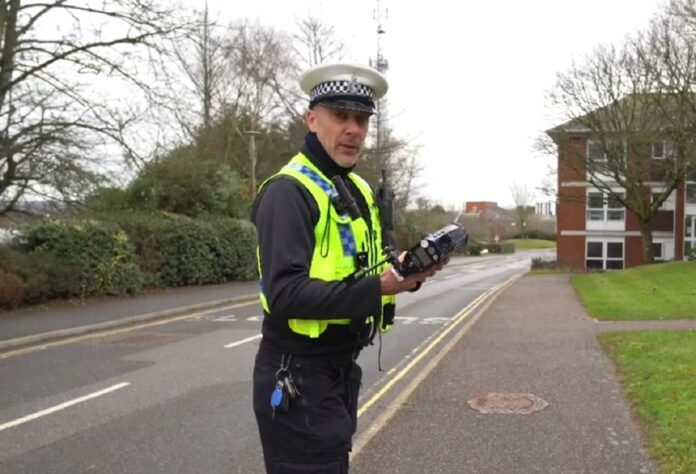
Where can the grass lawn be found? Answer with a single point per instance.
(658, 372)
(661, 291)
(531, 243)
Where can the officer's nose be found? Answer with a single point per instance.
(353, 125)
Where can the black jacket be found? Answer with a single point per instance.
(285, 215)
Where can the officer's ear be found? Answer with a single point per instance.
(310, 118)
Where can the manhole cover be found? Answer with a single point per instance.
(507, 403)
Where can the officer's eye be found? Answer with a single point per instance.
(362, 119)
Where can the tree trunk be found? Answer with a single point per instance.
(9, 43)
(647, 241)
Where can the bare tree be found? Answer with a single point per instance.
(202, 60)
(316, 42)
(312, 43)
(399, 159)
(260, 64)
(55, 124)
(685, 10)
(632, 103)
(522, 198)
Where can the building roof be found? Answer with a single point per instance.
(647, 112)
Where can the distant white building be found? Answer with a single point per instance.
(6, 235)
(546, 208)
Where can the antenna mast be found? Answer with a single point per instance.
(382, 65)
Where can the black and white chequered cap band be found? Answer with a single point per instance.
(341, 88)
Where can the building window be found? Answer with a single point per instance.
(657, 250)
(604, 207)
(691, 192)
(595, 151)
(668, 204)
(662, 150)
(689, 235)
(595, 207)
(604, 255)
(605, 156)
(655, 197)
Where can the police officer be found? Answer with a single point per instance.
(317, 318)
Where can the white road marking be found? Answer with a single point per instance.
(406, 319)
(255, 318)
(243, 341)
(62, 406)
(416, 320)
(227, 319)
(434, 320)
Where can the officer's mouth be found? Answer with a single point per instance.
(348, 148)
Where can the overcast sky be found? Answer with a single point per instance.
(467, 85)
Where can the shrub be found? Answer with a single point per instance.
(108, 199)
(45, 276)
(12, 290)
(236, 257)
(97, 254)
(475, 248)
(536, 234)
(185, 184)
(175, 250)
(552, 265)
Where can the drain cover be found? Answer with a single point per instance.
(507, 403)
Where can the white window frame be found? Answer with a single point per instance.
(689, 232)
(690, 185)
(591, 142)
(605, 209)
(604, 258)
(668, 204)
(667, 150)
(662, 251)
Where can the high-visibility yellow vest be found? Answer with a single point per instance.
(337, 240)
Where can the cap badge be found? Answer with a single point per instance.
(353, 86)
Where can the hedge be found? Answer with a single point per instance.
(175, 250)
(475, 248)
(64, 258)
(119, 253)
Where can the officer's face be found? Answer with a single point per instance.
(341, 132)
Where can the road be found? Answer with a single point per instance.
(176, 397)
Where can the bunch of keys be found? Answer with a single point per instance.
(285, 390)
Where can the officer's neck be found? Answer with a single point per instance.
(316, 153)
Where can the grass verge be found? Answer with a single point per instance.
(526, 244)
(658, 373)
(661, 291)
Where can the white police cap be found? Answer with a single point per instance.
(344, 86)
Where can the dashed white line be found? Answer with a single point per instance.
(243, 341)
(62, 406)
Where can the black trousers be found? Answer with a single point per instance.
(315, 435)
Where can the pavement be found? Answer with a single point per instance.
(534, 347)
(44, 323)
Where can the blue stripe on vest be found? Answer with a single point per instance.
(344, 230)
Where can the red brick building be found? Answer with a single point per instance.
(594, 231)
(480, 207)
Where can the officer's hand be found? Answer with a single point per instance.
(393, 284)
